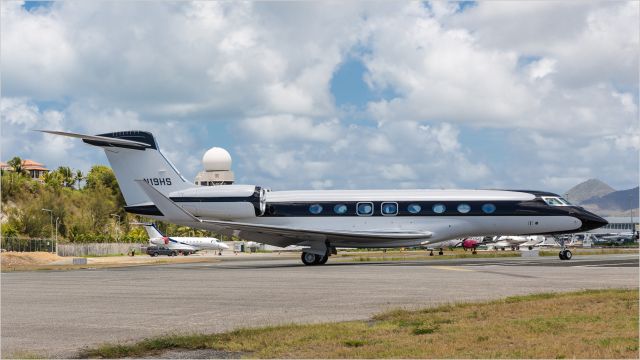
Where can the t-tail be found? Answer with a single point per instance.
(135, 155)
(153, 231)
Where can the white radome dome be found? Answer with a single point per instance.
(216, 159)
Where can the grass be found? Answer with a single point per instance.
(585, 324)
(423, 255)
(593, 251)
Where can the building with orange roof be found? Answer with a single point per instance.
(35, 169)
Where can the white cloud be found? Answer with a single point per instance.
(397, 154)
(541, 68)
(559, 79)
(288, 127)
(186, 59)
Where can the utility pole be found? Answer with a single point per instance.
(56, 239)
(51, 216)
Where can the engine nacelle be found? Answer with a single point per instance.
(163, 241)
(223, 202)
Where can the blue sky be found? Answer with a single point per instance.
(324, 95)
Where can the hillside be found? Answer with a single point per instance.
(604, 200)
(622, 200)
(589, 189)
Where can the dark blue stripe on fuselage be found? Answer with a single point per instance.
(503, 208)
(535, 207)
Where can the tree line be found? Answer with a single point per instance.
(81, 208)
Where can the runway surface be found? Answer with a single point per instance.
(55, 313)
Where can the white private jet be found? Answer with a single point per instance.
(185, 245)
(511, 242)
(321, 220)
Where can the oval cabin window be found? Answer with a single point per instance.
(315, 209)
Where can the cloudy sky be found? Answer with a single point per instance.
(318, 95)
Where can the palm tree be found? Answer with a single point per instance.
(79, 176)
(16, 164)
(67, 176)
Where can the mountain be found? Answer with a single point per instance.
(622, 200)
(600, 198)
(587, 190)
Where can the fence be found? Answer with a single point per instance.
(97, 249)
(27, 245)
(48, 245)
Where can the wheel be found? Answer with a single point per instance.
(440, 252)
(154, 254)
(323, 260)
(565, 255)
(173, 253)
(308, 258)
(474, 252)
(185, 253)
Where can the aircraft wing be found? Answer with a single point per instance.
(271, 234)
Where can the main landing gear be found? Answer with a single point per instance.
(309, 258)
(313, 259)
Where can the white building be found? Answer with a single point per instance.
(217, 168)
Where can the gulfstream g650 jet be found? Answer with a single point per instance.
(321, 220)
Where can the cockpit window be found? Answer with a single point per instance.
(566, 202)
(555, 201)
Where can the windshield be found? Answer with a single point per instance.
(555, 201)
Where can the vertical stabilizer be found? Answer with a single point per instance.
(153, 231)
(147, 163)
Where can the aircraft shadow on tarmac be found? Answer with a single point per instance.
(550, 262)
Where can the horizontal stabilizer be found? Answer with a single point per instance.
(101, 140)
(168, 208)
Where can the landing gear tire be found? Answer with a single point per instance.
(323, 260)
(309, 258)
(440, 252)
(565, 255)
(474, 252)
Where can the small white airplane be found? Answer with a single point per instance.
(470, 243)
(511, 242)
(619, 237)
(321, 220)
(186, 245)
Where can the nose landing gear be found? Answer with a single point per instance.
(565, 254)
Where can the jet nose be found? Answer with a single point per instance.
(589, 220)
(224, 246)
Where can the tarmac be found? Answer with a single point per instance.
(56, 313)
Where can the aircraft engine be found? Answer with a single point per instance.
(469, 243)
(160, 241)
(223, 202)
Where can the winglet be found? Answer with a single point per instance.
(167, 207)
